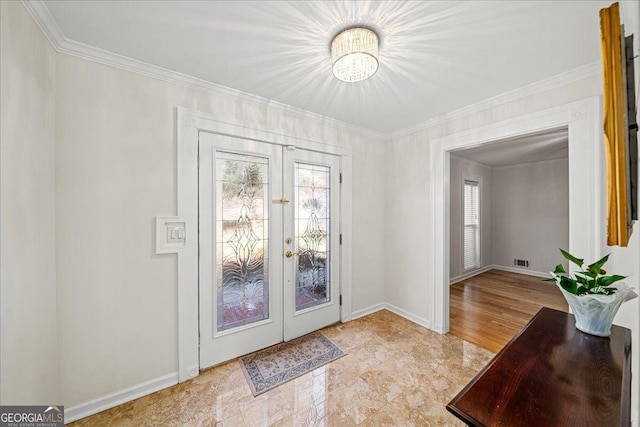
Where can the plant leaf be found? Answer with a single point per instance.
(608, 280)
(559, 269)
(568, 256)
(581, 291)
(569, 284)
(582, 280)
(596, 267)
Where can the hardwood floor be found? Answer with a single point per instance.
(490, 308)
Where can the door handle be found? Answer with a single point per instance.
(289, 254)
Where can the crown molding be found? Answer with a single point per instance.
(567, 77)
(41, 14)
(470, 162)
(525, 164)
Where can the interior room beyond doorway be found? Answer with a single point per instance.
(509, 214)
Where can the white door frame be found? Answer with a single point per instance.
(188, 125)
(586, 184)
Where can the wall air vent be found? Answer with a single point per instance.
(521, 262)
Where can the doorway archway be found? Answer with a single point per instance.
(586, 184)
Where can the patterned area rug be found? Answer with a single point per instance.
(268, 368)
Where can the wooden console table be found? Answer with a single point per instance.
(551, 374)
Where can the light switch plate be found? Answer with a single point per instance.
(171, 234)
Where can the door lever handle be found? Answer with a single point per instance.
(289, 254)
(281, 201)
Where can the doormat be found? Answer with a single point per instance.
(273, 366)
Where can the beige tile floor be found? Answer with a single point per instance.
(396, 374)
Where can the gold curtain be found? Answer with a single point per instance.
(615, 132)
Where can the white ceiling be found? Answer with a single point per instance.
(435, 57)
(526, 149)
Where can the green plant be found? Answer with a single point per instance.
(590, 281)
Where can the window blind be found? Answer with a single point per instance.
(471, 225)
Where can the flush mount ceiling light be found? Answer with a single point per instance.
(354, 54)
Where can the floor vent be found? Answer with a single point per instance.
(521, 262)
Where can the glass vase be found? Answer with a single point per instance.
(595, 313)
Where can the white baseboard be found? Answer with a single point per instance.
(369, 310)
(521, 271)
(74, 413)
(396, 310)
(470, 274)
(100, 404)
(409, 316)
(192, 371)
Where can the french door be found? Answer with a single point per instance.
(268, 244)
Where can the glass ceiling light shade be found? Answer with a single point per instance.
(354, 54)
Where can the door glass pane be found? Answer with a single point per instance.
(312, 191)
(242, 241)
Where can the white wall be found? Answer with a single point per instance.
(116, 170)
(407, 216)
(28, 347)
(368, 219)
(531, 214)
(459, 170)
(408, 193)
(407, 237)
(408, 189)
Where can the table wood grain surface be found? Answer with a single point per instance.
(551, 374)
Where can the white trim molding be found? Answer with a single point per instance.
(47, 23)
(189, 124)
(586, 184)
(41, 14)
(410, 316)
(521, 271)
(470, 274)
(586, 71)
(471, 162)
(528, 164)
(481, 270)
(368, 310)
(73, 413)
(396, 310)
